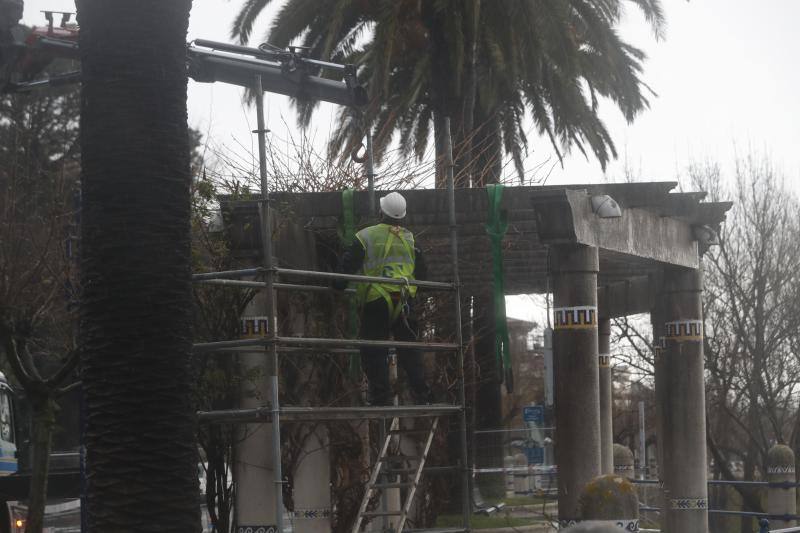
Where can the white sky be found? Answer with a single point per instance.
(726, 77)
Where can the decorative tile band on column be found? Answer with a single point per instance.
(256, 529)
(310, 513)
(780, 469)
(623, 525)
(688, 503)
(683, 330)
(580, 317)
(604, 360)
(254, 326)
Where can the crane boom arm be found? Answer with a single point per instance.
(282, 72)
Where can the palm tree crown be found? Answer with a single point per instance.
(489, 65)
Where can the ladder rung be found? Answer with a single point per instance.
(391, 471)
(382, 513)
(399, 485)
(400, 458)
(409, 431)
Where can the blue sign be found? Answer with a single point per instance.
(535, 455)
(533, 413)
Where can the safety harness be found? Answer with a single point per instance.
(396, 299)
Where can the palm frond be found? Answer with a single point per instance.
(243, 23)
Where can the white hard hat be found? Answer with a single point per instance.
(393, 205)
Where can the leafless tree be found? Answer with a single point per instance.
(38, 176)
(750, 304)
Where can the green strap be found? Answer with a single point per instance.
(496, 228)
(347, 233)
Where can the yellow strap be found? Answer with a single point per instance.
(394, 311)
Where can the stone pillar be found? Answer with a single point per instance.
(682, 398)
(606, 400)
(609, 501)
(781, 500)
(253, 466)
(657, 323)
(312, 479)
(623, 462)
(574, 270)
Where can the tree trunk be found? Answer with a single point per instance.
(44, 419)
(135, 268)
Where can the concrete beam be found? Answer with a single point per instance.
(565, 216)
(625, 298)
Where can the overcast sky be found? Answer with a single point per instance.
(726, 77)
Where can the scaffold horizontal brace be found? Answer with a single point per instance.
(294, 414)
(368, 279)
(248, 272)
(279, 286)
(243, 273)
(322, 343)
(439, 530)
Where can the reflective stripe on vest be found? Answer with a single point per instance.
(388, 253)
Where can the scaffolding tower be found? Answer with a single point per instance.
(273, 344)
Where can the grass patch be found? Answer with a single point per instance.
(486, 522)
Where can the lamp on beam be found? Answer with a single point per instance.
(605, 207)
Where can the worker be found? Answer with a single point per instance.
(387, 250)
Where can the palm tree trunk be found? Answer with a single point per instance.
(135, 267)
(471, 90)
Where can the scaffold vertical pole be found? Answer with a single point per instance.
(370, 171)
(269, 278)
(451, 201)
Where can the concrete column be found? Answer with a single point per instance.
(610, 500)
(682, 398)
(253, 466)
(623, 462)
(312, 479)
(781, 500)
(606, 399)
(657, 323)
(574, 271)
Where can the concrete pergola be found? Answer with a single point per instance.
(645, 261)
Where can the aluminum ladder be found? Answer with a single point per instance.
(383, 467)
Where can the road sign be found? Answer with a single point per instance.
(534, 414)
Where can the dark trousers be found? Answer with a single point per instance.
(376, 324)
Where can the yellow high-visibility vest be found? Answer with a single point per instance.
(388, 253)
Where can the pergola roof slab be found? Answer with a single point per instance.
(655, 229)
